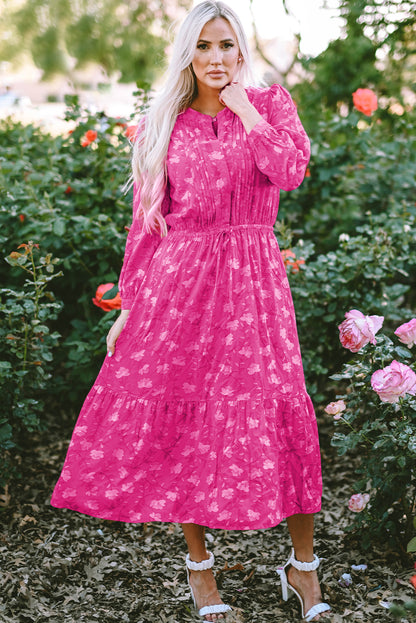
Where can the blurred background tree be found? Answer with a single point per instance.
(126, 38)
(377, 50)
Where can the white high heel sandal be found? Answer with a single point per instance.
(288, 588)
(201, 566)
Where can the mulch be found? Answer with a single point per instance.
(59, 566)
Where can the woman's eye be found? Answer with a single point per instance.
(228, 45)
(202, 46)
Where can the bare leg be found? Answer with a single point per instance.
(203, 583)
(305, 582)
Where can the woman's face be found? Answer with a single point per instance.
(217, 54)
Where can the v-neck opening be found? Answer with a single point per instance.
(203, 114)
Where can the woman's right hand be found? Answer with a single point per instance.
(115, 331)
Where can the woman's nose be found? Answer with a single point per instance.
(216, 56)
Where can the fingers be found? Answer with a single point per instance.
(111, 344)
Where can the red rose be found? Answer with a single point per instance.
(88, 138)
(106, 304)
(290, 261)
(91, 135)
(68, 190)
(365, 100)
(21, 217)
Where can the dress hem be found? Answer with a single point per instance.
(199, 521)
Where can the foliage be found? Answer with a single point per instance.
(70, 199)
(359, 167)
(376, 49)
(124, 38)
(353, 221)
(26, 346)
(383, 436)
(372, 269)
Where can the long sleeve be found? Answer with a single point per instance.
(139, 250)
(280, 145)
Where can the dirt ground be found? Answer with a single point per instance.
(59, 566)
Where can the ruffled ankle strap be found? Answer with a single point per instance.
(200, 566)
(303, 566)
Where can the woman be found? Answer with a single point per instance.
(200, 414)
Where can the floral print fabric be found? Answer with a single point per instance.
(202, 414)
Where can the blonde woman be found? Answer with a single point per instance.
(199, 414)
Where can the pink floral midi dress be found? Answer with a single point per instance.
(202, 414)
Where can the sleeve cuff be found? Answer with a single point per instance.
(260, 126)
(126, 303)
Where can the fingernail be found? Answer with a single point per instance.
(109, 353)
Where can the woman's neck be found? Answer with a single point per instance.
(207, 102)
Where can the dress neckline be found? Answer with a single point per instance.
(203, 114)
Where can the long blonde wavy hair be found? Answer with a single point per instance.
(151, 145)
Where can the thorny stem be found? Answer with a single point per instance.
(25, 348)
(356, 431)
(37, 293)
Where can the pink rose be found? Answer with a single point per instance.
(407, 333)
(357, 330)
(358, 502)
(335, 409)
(393, 382)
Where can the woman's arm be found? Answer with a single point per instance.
(115, 331)
(278, 141)
(139, 250)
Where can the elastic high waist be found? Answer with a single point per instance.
(212, 229)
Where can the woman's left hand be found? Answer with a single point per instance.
(234, 96)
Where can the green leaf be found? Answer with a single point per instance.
(110, 294)
(59, 227)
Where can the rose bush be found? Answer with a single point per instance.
(28, 343)
(378, 424)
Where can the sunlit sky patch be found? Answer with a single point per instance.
(316, 24)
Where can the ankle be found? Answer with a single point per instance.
(199, 555)
(304, 555)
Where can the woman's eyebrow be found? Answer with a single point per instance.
(222, 41)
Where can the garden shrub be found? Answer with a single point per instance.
(68, 198)
(374, 268)
(379, 424)
(26, 347)
(359, 166)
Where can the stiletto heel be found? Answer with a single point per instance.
(288, 589)
(201, 566)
